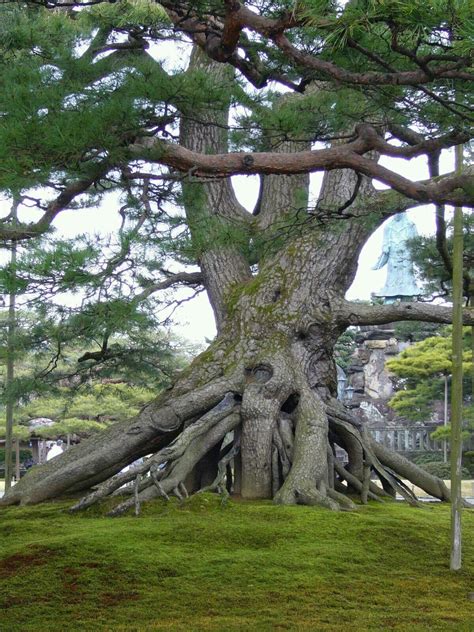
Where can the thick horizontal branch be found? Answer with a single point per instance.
(224, 165)
(453, 190)
(421, 147)
(448, 189)
(369, 78)
(349, 313)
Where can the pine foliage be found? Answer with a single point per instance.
(420, 370)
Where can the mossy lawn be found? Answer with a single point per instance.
(246, 566)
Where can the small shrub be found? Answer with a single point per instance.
(427, 457)
(443, 470)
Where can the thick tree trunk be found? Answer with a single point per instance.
(274, 394)
(274, 360)
(217, 221)
(270, 374)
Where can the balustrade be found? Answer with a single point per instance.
(414, 439)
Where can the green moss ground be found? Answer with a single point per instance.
(248, 566)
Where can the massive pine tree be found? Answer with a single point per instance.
(267, 80)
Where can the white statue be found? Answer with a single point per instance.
(55, 450)
(400, 282)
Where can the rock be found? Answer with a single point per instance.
(392, 347)
(358, 382)
(372, 413)
(378, 384)
(376, 344)
(361, 356)
(372, 333)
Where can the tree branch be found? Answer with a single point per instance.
(219, 35)
(227, 31)
(349, 313)
(369, 78)
(348, 155)
(180, 278)
(19, 231)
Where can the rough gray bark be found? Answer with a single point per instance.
(268, 387)
(172, 452)
(405, 468)
(175, 475)
(212, 209)
(308, 477)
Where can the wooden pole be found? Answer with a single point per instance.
(10, 366)
(445, 441)
(456, 383)
(17, 460)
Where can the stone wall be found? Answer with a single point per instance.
(367, 374)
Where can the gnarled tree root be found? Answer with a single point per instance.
(171, 478)
(303, 468)
(102, 456)
(166, 456)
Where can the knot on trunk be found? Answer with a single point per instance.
(259, 374)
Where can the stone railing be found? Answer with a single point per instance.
(411, 439)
